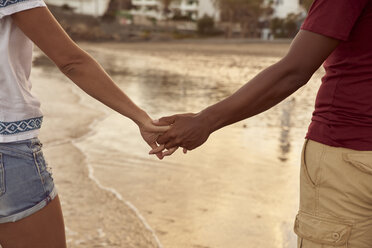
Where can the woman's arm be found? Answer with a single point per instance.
(43, 29)
(306, 54)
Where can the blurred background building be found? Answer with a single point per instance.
(284, 7)
(188, 8)
(89, 7)
(265, 19)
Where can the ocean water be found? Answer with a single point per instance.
(240, 189)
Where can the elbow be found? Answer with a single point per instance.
(298, 73)
(71, 64)
(300, 76)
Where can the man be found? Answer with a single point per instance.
(336, 169)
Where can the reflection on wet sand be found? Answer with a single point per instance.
(237, 190)
(285, 125)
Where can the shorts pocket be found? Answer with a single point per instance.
(2, 176)
(311, 158)
(319, 231)
(362, 161)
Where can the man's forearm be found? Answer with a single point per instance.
(307, 52)
(267, 89)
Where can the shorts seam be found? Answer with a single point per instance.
(2, 176)
(304, 165)
(31, 210)
(38, 171)
(317, 189)
(345, 221)
(16, 151)
(34, 141)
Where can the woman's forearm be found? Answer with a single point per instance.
(86, 73)
(43, 29)
(264, 91)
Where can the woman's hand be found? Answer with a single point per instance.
(42, 28)
(150, 133)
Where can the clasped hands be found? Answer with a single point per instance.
(167, 134)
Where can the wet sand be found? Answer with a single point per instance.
(94, 216)
(240, 189)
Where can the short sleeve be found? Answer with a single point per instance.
(8, 7)
(334, 18)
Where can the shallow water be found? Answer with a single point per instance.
(240, 189)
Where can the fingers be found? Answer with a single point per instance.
(158, 129)
(159, 154)
(162, 139)
(165, 121)
(169, 140)
(171, 144)
(170, 151)
(157, 149)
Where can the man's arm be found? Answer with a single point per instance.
(42, 28)
(306, 54)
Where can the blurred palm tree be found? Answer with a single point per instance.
(165, 5)
(114, 6)
(306, 4)
(246, 13)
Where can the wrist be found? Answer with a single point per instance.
(207, 120)
(142, 119)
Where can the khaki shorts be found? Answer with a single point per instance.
(335, 198)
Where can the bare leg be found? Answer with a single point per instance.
(43, 229)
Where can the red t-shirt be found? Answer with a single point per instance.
(343, 107)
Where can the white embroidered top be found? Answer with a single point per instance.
(20, 114)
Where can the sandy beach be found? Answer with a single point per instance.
(240, 189)
(94, 216)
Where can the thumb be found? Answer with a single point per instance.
(157, 129)
(164, 121)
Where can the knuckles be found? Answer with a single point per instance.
(178, 141)
(169, 146)
(161, 140)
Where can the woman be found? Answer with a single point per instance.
(336, 171)
(30, 211)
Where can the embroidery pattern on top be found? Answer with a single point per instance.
(8, 128)
(5, 3)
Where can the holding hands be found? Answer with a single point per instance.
(186, 130)
(150, 133)
(265, 90)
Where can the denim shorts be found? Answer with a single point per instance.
(26, 184)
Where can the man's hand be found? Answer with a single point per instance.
(150, 134)
(187, 130)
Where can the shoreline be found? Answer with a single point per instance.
(196, 200)
(190, 201)
(91, 176)
(95, 216)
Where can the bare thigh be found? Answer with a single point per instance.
(43, 229)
